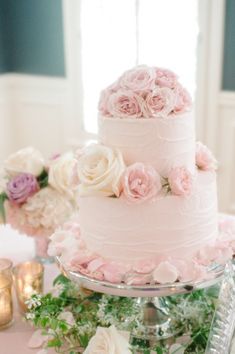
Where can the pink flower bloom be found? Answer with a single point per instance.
(180, 181)
(159, 103)
(204, 159)
(140, 183)
(183, 101)
(125, 104)
(140, 78)
(104, 98)
(21, 187)
(166, 78)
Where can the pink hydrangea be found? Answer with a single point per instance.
(204, 159)
(180, 181)
(140, 183)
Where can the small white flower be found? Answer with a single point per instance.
(30, 316)
(33, 302)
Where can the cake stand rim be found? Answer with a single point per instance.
(215, 275)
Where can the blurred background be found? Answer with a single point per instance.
(56, 56)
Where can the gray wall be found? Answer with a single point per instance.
(228, 82)
(31, 33)
(2, 51)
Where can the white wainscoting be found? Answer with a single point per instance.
(34, 110)
(5, 118)
(226, 151)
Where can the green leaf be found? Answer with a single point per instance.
(3, 197)
(43, 179)
(61, 279)
(84, 339)
(56, 342)
(44, 322)
(54, 324)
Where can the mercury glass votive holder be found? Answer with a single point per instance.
(28, 280)
(6, 303)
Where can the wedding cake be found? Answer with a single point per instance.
(147, 193)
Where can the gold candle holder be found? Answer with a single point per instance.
(28, 280)
(6, 304)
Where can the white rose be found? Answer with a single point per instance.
(99, 171)
(62, 175)
(108, 341)
(27, 160)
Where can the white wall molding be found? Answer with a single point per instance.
(35, 112)
(210, 53)
(227, 98)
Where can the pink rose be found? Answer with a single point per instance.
(159, 103)
(140, 183)
(183, 101)
(140, 78)
(104, 98)
(166, 78)
(204, 159)
(125, 104)
(180, 181)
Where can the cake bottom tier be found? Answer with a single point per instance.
(171, 239)
(170, 226)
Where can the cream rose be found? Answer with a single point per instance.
(108, 341)
(99, 171)
(62, 175)
(27, 160)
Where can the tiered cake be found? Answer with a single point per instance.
(148, 198)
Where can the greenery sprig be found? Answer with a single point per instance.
(192, 314)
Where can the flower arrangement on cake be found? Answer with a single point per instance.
(145, 92)
(37, 196)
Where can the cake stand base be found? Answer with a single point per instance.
(157, 324)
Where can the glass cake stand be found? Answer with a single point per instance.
(157, 323)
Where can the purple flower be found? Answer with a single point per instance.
(21, 187)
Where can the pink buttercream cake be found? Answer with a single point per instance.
(148, 196)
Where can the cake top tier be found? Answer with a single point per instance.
(145, 92)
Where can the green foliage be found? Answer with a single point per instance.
(43, 179)
(192, 314)
(3, 197)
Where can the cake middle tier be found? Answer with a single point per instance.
(162, 143)
(170, 226)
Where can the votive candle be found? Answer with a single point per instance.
(28, 280)
(6, 304)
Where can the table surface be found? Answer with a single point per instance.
(18, 248)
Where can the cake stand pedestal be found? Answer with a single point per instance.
(157, 323)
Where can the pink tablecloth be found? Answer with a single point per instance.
(20, 248)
